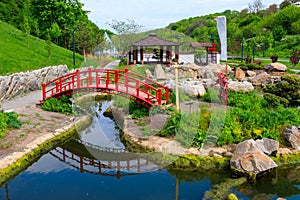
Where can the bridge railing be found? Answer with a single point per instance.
(117, 80)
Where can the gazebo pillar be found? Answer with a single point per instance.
(168, 54)
(135, 56)
(142, 55)
(129, 57)
(161, 54)
(176, 54)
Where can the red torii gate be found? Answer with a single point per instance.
(123, 82)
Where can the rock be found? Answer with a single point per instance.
(268, 67)
(244, 86)
(276, 67)
(208, 74)
(159, 73)
(292, 135)
(248, 158)
(283, 151)
(259, 79)
(193, 88)
(23, 82)
(251, 73)
(148, 73)
(239, 74)
(268, 146)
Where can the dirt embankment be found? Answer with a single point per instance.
(36, 123)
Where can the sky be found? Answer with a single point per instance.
(152, 14)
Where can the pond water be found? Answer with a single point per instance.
(92, 168)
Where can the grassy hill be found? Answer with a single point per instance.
(19, 52)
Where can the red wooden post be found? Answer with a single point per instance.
(44, 90)
(117, 80)
(89, 81)
(99, 166)
(167, 94)
(126, 80)
(60, 85)
(56, 87)
(158, 96)
(107, 78)
(78, 78)
(137, 88)
(97, 79)
(81, 164)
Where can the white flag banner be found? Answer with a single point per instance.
(222, 31)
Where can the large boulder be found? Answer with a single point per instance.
(260, 78)
(159, 72)
(268, 146)
(148, 73)
(239, 74)
(192, 88)
(250, 159)
(251, 73)
(244, 86)
(275, 67)
(292, 135)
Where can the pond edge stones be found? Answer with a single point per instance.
(251, 157)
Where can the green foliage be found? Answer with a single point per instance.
(8, 120)
(3, 126)
(172, 126)
(62, 105)
(287, 91)
(246, 27)
(212, 95)
(137, 111)
(12, 120)
(249, 116)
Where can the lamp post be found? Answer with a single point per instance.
(73, 43)
(176, 66)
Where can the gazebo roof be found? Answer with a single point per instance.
(199, 45)
(153, 40)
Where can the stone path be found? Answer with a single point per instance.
(31, 98)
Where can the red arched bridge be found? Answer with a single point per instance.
(122, 82)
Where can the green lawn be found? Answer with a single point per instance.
(19, 52)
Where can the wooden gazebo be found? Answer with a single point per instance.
(211, 51)
(136, 55)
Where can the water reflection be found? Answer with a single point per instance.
(85, 168)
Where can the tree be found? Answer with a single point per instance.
(287, 16)
(256, 6)
(66, 14)
(124, 29)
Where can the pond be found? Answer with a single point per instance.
(96, 165)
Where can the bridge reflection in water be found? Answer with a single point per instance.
(110, 164)
(100, 151)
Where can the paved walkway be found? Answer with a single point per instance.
(29, 99)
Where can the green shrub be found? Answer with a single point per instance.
(12, 121)
(3, 126)
(275, 101)
(62, 105)
(287, 91)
